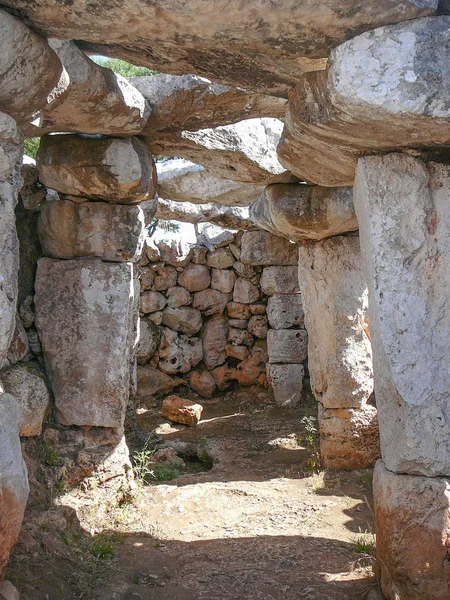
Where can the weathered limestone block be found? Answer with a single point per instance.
(222, 258)
(248, 272)
(26, 383)
(234, 217)
(190, 102)
(178, 296)
(115, 170)
(112, 232)
(412, 517)
(10, 163)
(211, 302)
(184, 319)
(93, 100)
(236, 310)
(151, 381)
(304, 212)
(372, 98)
(280, 280)
(178, 353)
(285, 311)
(263, 248)
(239, 337)
(151, 301)
(334, 293)
(182, 411)
(177, 253)
(238, 323)
(286, 382)
(183, 181)
(194, 278)
(13, 482)
(349, 437)
(245, 292)
(403, 208)
(214, 335)
(19, 346)
(244, 151)
(213, 236)
(223, 280)
(287, 345)
(253, 46)
(29, 69)
(257, 326)
(149, 339)
(239, 352)
(147, 278)
(84, 316)
(202, 383)
(166, 278)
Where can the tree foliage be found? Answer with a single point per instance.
(122, 68)
(31, 146)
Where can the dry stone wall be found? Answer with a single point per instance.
(227, 311)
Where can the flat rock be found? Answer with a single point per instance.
(214, 236)
(287, 383)
(189, 102)
(234, 217)
(152, 381)
(93, 100)
(29, 69)
(214, 336)
(211, 302)
(183, 181)
(258, 47)
(244, 151)
(263, 248)
(111, 169)
(27, 384)
(112, 232)
(301, 212)
(222, 258)
(287, 345)
(149, 339)
(84, 316)
(238, 352)
(245, 292)
(182, 411)
(280, 280)
(14, 486)
(184, 319)
(178, 353)
(285, 311)
(400, 98)
(237, 310)
(335, 301)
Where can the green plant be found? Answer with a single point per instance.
(31, 147)
(49, 454)
(122, 68)
(164, 472)
(365, 543)
(104, 546)
(142, 463)
(311, 431)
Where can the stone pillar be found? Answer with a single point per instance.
(403, 208)
(334, 295)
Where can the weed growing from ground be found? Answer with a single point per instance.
(311, 442)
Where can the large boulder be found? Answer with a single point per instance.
(29, 69)
(14, 481)
(304, 212)
(26, 383)
(403, 211)
(412, 521)
(84, 316)
(190, 102)
(112, 232)
(263, 248)
(183, 181)
(233, 217)
(152, 381)
(334, 293)
(244, 151)
(10, 181)
(253, 46)
(111, 169)
(371, 99)
(93, 99)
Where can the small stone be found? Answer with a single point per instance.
(211, 302)
(182, 411)
(237, 310)
(151, 302)
(178, 296)
(222, 258)
(147, 278)
(245, 291)
(184, 319)
(240, 337)
(151, 381)
(257, 326)
(166, 277)
(8, 591)
(195, 278)
(247, 272)
(19, 346)
(149, 338)
(258, 309)
(223, 280)
(199, 255)
(238, 323)
(175, 252)
(202, 383)
(223, 376)
(156, 317)
(179, 353)
(250, 370)
(239, 352)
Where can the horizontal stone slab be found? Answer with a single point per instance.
(115, 170)
(301, 212)
(111, 232)
(232, 217)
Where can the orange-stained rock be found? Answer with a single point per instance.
(182, 411)
(202, 383)
(236, 310)
(223, 376)
(239, 352)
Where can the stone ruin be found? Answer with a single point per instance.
(356, 177)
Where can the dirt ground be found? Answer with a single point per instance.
(247, 520)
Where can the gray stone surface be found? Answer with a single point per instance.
(178, 353)
(403, 209)
(286, 382)
(214, 336)
(334, 293)
(280, 280)
(245, 292)
(263, 248)
(184, 319)
(234, 217)
(149, 338)
(285, 311)
(84, 316)
(287, 345)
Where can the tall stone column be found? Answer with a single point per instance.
(403, 208)
(334, 295)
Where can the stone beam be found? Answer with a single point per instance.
(229, 217)
(254, 45)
